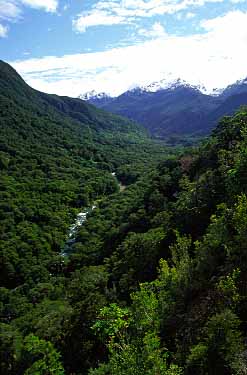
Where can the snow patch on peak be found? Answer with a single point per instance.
(214, 92)
(167, 83)
(163, 84)
(241, 82)
(172, 84)
(93, 94)
(238, 87)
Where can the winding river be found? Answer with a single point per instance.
(80, 219)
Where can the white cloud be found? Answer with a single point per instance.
(232, 21)
(215, 58)
(9, 10)
(3, 31)
(12, 10)
(47, 5)
(228, 32)
(108, 12)
(156, 31)
(190, 15)
(99, 17)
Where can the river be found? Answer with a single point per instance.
(73, 229)
(80, 219)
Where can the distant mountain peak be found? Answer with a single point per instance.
(215, 91)
(99, 99)
(94, 95)
(236, 88)
(164, 84)
(169, 84)
(241, 81)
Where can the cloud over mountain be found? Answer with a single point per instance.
(214, 56)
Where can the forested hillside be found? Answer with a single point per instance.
(156, 279)
(56, 155)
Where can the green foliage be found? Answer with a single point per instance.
(220, 347)
(49, 364)
(136, 257)
(112, 321)
(138, 353)
(227, 285)
(11, 343)
(240, 216)
(145, 307)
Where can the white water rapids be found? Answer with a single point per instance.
(79, 221)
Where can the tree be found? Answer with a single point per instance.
(219, 350)
(43, 357)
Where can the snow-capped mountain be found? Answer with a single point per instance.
(152, 87)
(174, 107)
(165, 84)
(99, 99)
(93, 94)
(237, 88)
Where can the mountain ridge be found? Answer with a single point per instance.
(176, 109)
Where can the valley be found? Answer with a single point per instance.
(120, 253)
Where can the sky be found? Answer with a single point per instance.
(69, 47)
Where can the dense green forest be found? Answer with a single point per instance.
(156, 279)
(56, 155)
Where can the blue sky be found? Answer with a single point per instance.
(73, 46)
